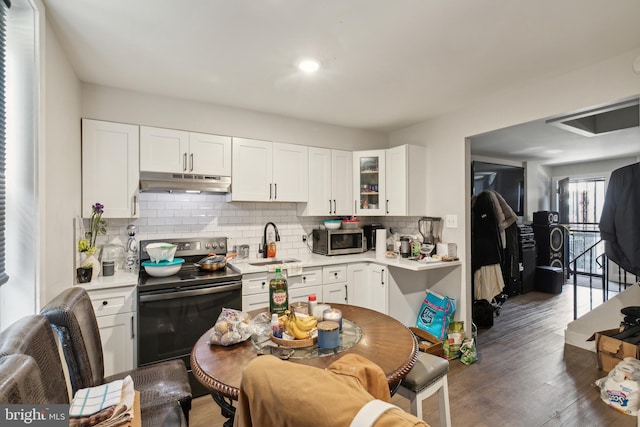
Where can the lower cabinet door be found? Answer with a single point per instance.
(117, 333)
(335, 292)
(255, 301)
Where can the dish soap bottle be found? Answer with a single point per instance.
(271, 246)
(278, 293)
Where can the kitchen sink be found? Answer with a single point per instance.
(273, 261)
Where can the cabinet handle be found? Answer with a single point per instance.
(334, 206)
(355, 206)
(304, 278)
(105, 302)
(346, 294)
(270, 191)
(382, 277)
(329, 206)
(184, 162)
(387, 206)
(263, 284)
(275, 191)
(191, 160)
(134, 207)
(133, 333)
(335, 274)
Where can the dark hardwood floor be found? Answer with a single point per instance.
(525, 375)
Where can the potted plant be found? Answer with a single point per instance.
(87, 246)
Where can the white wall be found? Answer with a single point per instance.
(60, 186)
(104, 103)
(445, 137)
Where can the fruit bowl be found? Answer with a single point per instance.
(332, 224)
(161, 251)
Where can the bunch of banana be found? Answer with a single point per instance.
(299, 327)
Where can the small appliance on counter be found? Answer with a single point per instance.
(430, 228)
(338, 242)
(370, 234)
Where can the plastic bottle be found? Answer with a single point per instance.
(271, 246)
(278, 293)
(312, 304)
(276, 326)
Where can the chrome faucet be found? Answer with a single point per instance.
(264, 238)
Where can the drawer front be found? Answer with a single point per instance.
(302, 293)
(334, 274)
(107, 302)
(255, 284)
(309, 277)
(255, 301)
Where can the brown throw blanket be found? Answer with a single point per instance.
(277, 393)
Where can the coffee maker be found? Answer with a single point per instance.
(370, 235)
(430, 228)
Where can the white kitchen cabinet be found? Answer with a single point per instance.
(115, 310)
(302, 293)
(266, 171)
(369, 182)
(177, 151)
(379, 278)
(255, 301)
(334, 284)
(110, 168)
(330, 183)
(359, 286)
(370, 286)
(406, 180)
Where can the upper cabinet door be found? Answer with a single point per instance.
(164, 150)
(209, 154)
(320, 200)
(290, 173)
(251, 178)
(396, 181)
(369, 182)
(342, 182)
(110, 168)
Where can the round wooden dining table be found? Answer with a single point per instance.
(384, 341)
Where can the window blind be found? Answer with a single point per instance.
(4, 7)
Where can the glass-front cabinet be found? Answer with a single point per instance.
(369, 182)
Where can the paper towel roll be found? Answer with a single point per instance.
(381, 242)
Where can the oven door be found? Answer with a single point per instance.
(170, 322)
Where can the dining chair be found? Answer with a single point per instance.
(71, 313)
(20, 380)
(428, 375)
(33, 336)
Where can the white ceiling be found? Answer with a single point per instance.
(385, 64)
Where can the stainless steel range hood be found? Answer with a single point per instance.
(175, 182)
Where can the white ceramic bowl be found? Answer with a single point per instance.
(161, 251)
(332, 224)
(164, 268)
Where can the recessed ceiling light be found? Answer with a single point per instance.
(309, 65)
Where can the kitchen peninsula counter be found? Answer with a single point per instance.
(316, 260)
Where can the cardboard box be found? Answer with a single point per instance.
(427, 342)
(612, 350)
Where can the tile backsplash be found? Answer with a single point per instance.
(182, 215)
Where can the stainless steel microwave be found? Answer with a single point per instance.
(338, 242)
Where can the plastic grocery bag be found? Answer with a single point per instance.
(468, 351)
(453, 341)
(231, 327)
(620, 389)
(435, 314)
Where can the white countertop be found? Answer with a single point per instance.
(315, 260)
(119, 279)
